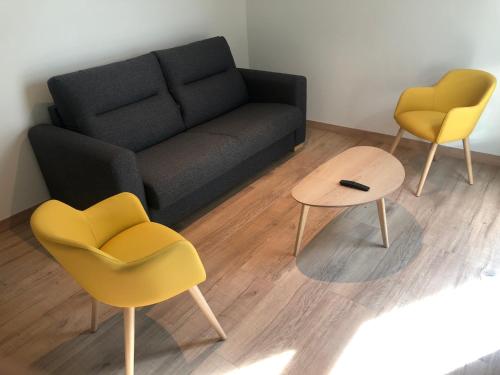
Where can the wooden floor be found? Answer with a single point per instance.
(345, 306)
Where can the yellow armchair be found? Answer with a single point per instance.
(121, 258)
(445, 112)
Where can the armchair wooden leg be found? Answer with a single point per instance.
(428, 163)
(94, 322)
(397, 140)
(468, 160)
(129, 325)
(203, 305)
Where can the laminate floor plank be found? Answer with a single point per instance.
(344, 302)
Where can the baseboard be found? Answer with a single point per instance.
(17, 219)
(480, 157)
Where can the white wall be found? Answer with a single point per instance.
(358, 55)
(39, 39)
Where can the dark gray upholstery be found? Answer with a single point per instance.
(180, 165)
(126, 103)
(78, 169)
(203, 79)
(119, 129)
(255, 125)
(184, 163)
(188, 204)
(270, 87)
(55, 117)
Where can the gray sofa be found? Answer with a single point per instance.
(177, 127)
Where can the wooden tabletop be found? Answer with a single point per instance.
(371, 166)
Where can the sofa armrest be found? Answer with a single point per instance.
(80, 170)
(278, 88)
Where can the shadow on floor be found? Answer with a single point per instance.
(156, 351)
(350, 249)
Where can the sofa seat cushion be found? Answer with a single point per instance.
(180, 165)
(255, 125)
(126, 103)
(203, 79)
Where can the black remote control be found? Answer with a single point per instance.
(354, 185)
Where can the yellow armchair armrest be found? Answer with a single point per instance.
(416, 99)
(114, 215)
(155, 278)
(459, 123)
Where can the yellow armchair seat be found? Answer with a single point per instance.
(423, 124)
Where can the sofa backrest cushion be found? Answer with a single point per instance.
(203, 79)
(126, 103)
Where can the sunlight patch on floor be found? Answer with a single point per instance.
(435, 335)
(273, 365)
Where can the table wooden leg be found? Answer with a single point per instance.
(383, 221)
(300, 230)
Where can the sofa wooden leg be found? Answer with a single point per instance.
(299, 147)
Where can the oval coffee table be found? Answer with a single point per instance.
(371, 166)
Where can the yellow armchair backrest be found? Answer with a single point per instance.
(73, 237)
(58, 224)
(68, 236)
(463, 88)
(55, 222)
